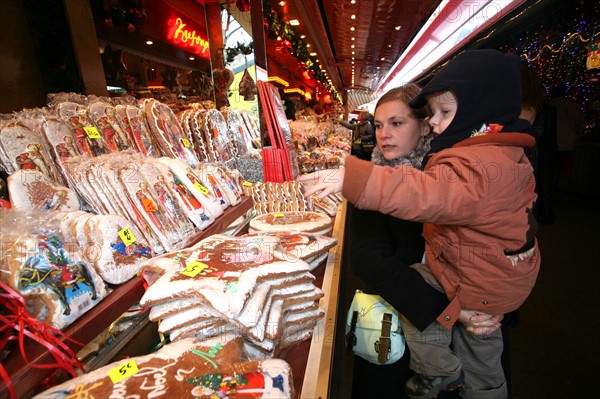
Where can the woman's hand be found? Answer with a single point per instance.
(323, 182)
(480, 323)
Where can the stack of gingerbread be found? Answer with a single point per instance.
(164, 198)
(223, 284)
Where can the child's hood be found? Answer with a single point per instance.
(487, 86)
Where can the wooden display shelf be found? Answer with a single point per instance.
(26, 378)
(318, 352)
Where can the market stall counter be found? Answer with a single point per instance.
(310, 361)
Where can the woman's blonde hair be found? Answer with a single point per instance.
(405, 93)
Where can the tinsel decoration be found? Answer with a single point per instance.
(243, 5)
(276, 27)
(240, 48)
(286, 47)
(124, 13)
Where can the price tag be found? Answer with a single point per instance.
(149, 205)
(186, 142)
(247, 184)
(279, 215)
(127, 236)
(216, 132)
(123, 371)
(92, 132)
(193, 268)
(201, 188)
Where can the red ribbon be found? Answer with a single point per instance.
(25, 325)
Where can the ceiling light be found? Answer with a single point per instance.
(382, 58)
(389, 45)
(312, 54)
(352, 16)
(149, 42)
(294, 90)
(303, 37)
(191, 58)
(282, 3)
(426, 48)
(353, 52)
(277, 79)
(308, 45)
(352, 46)
(353, 38)
(352, 28)
(398, 27)
(278, 37)
(353, 1)
(294, 22)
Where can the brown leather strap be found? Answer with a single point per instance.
(383, 346)
(351, 336)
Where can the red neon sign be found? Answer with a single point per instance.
(187, 38)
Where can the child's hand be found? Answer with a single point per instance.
(323, 182)
(480, 323)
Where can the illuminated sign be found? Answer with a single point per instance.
(185, 36)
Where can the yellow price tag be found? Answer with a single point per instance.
(193, 268)
(186, 142)
(201, 188)
(279, 215)
(127, 236)
(123, 371)
(92, 132)
(247, 184)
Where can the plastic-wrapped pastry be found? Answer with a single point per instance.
(31, 189)
(57, 284)
(104, 116)
(168, 132)
(24, 149)
(141, 136)
(88, 139)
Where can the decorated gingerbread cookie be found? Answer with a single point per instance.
(104, 116)
(140, 132)
(168, 132)
(23, 149)
(88, 139)
(189, 203)
(207, 194)
(42, 265)
(31, 189)
(313, 222)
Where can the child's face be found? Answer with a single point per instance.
(444, 107)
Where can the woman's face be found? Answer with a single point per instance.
(397, 131)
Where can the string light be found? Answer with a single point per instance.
(561, 53)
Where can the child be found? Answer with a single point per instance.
(475, 197)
